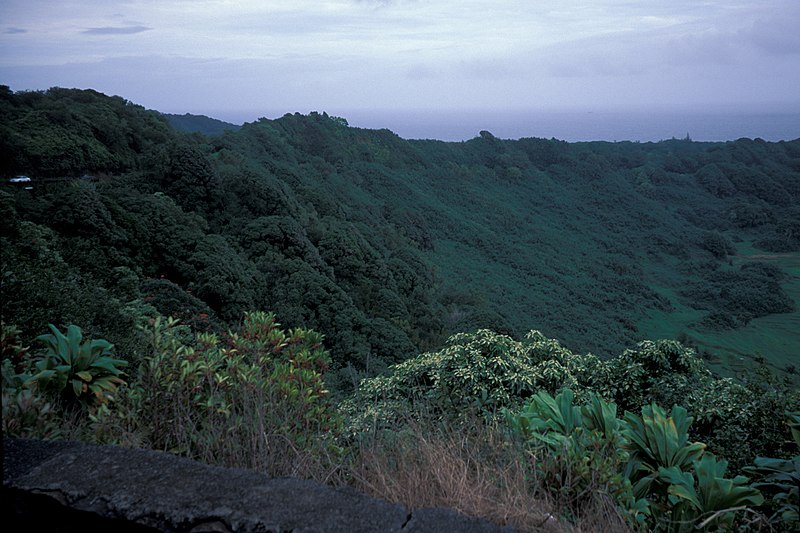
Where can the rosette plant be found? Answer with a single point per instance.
(78, 370)
(780, 479)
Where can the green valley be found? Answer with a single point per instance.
(345, 292)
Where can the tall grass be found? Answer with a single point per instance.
(475, 468)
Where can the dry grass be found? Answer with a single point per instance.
(257, 436)
(472, 469)
(601, 516)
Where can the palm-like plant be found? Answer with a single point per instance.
(780, 478)
(712, 501)
(85, 371)
(586, 445)
(686, 487)
(657, 442)
(546, 419)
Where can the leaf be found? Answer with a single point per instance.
(110, 365)
(82, 357)
(74, 337)
(719, 493)
(794, 426)
(60, 345)
(43, 376)
(108, 384)
(642, 487)
(601, 416)
(681, 485)
(661, 441)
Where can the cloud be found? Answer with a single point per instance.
(423, 72)
(385, 2)
(15, 30)
(116, 30)
(776, 35)
(304, 54)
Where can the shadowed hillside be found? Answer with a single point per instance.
(468, 325)
(199, 124)
(387, 246)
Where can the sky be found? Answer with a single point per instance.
(240, 60)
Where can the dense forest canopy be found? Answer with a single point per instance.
(598, 334)
(199, 124)
(387, 246)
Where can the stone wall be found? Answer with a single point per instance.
(71, 486)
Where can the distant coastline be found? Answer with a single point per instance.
(573, 126)
(584, 126)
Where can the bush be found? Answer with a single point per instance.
(780, 478)
(719, 245)
(657, 477)
(580, 450)
(254, 398)
(736, 297)
(54, 395)
(26, 413)
(480, 372)
(82, 371)
(661, 371)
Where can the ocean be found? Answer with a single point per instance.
(570, 126)
(583, 126)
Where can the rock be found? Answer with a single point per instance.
(70, 486)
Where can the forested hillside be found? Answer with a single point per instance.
(388, 246)
(415, 318)
(199, 124)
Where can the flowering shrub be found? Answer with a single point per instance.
(482, 371)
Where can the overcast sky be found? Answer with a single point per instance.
(234, 58)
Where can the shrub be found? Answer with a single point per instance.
(26, 413)
(709, 502)
(254, 398)
(645, 462)
(658, 442)
(82, 371)
(661, 371)
(78, 373)
(663, 469)
(580, 452)
(711, 178)
(736, 297)
(480, 372)
(780, 479)
(717, 244)
(12, 349)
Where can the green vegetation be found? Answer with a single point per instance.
(199, 124)
(77, 369)
(582, 449)
(235, 399)
(405, 273)
(255, 398)
(484, 371)
(645, 462)
(390, 246)
(780, 478)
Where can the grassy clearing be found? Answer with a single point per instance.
(773, 340)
